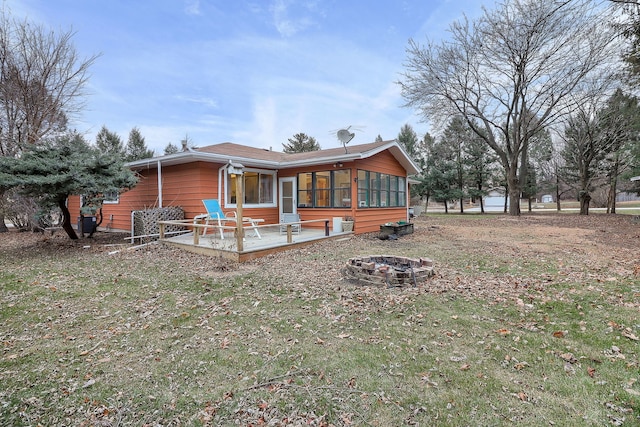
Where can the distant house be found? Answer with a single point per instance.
(547, 198)
(495, 200)
(367, 182)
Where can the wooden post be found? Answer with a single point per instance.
(239, 199)
(196, 234)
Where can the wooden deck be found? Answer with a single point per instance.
(271, 239)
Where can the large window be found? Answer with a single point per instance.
(377, 189)
(259, 188)
(324, 189)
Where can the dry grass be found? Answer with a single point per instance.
(530, 320)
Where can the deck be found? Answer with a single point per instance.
(205, 239)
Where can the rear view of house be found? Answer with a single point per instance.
(367, 182)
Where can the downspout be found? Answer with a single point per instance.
(159, 184)
(221, 170)
(132, 225)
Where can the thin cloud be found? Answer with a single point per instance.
(291, 17)
(192, 7)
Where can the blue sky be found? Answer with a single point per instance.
(250, 72)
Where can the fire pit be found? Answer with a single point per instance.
(388, 270)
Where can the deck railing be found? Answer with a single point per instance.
(239, 232)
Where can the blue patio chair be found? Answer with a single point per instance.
(215, 214)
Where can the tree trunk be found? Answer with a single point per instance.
(481, 204)
(461, 205)
(66, 220)
(514, 191)
(3, 226)
(585, 198)
(611, 202)
(558, 207)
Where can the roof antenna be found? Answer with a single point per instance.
(345, 136)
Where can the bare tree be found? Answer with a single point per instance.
(42, 85)
(510, 73)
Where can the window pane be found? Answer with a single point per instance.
(323, 189)
(374, 188)
(111, 197)
(402, 191)
(342, 197)
(266, 188)
(305, 194)
(363, 189)
(384, 190)
(393, 191)
(342, 188)
(323, 198)
(251, 188)
(232, 189)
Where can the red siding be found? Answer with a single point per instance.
(187, 184)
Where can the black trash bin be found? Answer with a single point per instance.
(86, 224)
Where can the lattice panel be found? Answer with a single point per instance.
(145, 223)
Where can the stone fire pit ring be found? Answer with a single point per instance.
(388, 270)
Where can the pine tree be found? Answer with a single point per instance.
(109, 142)
(301, 143)
(136, 147)
(67, 165)
(170, 149)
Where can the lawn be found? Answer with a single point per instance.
(528, 321)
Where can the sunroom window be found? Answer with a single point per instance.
(324, 189)
(377, 189)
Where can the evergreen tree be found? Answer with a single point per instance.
(65, 166)
(456, 136)
(424, 189)
(109, 143)
(170, 149)
(136, 147)
(301, 143)
(481, 168)
(378, 138)
(408, 139)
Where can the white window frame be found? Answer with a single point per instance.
(112, 202)
(274, 190)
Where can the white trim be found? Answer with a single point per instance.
(159, 184)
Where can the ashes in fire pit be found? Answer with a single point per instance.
(389, 270)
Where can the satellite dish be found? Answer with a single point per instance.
(345, 136)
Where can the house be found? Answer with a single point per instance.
(495, 201)
(368, 182)
(547, 198)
